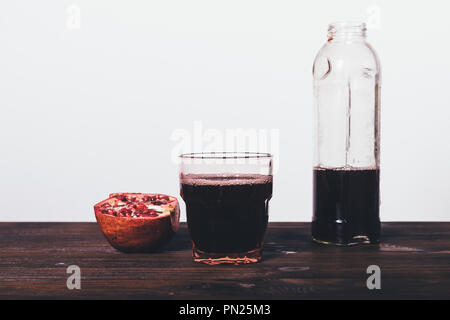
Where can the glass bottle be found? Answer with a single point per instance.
(346, 78)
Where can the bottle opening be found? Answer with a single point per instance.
(346, 30)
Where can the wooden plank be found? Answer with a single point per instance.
(414, 259)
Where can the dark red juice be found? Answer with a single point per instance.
(226, 213)
(346, 206)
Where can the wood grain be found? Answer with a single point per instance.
(414, 259)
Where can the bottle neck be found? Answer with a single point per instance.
(347, 31)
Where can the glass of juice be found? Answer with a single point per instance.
(227, 200)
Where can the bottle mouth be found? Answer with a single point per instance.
(346, 29)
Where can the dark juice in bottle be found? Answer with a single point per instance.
(346, 206)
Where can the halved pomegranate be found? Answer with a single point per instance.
(138, 222)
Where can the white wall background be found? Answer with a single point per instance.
(89, 106)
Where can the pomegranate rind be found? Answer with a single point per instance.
(139, 234)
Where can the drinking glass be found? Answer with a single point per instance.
(227, 196)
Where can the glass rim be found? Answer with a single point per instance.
(226, 155)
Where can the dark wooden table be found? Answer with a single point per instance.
(414, 259)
